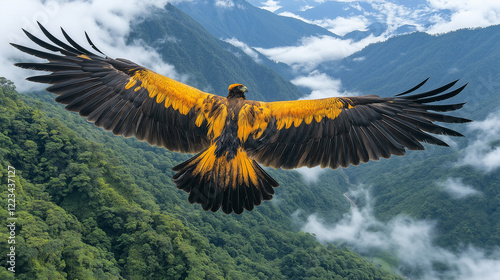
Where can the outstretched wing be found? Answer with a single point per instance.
(125, 98)
(339, 131)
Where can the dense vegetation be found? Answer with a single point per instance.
(94, 206)
(82, 214)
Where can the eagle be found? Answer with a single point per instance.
(230, 136)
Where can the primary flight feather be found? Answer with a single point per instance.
(232, 135)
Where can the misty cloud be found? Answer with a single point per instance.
(457, 189)
(392, 14)
(224, 3)
(245, 48)
(310, 175)
(465, 14)
(395, 15)
(321, 85)
(342, 26)
(411, 240)
(484, 152)
(313, 50)
(271, 5)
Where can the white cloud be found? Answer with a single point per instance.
(310, 175)
(342, 26)
(457, 189)
(106, 22)
(484, 152)
(224, 3)
(312, 51)
(412, 241)
(339, 25)
(292, 15)
(305, 8)
(321, 85)
(245, 48)
(395, 15)
(271, 5)
(465, 14)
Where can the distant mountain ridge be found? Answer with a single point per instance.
(256, 27)
(211, 64)
(471, 55)
(376, 13)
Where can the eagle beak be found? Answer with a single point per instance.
(245, 89)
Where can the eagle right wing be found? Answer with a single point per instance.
(341, 131)
(128, 99)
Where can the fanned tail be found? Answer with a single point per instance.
(232, 183)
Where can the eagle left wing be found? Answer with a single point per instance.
(126, 98)
(341, 131)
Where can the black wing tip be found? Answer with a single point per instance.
(24, 65)
(16, 46)
(73, 49)
(42, 27)
(26, 32)
(92, 44)
(414, 88)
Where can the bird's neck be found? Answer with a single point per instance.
(236, 96)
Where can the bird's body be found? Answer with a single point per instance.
(232, 135)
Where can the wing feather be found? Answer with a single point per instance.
(338, 131)
(126, 98)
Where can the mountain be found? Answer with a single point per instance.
(256, 27)
(409, 185)
(399, 62)
(397, 16)
(96, 206)
(82, 213)
(212, 64)
(395, 65)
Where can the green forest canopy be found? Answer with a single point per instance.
(82, 214)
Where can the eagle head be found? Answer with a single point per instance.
(237, 91)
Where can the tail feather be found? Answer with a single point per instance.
(230, 184)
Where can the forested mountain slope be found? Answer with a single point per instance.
(82, 214)
(98, 206)
(95, 206)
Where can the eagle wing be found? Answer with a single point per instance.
(125, 98)
(341, 131)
